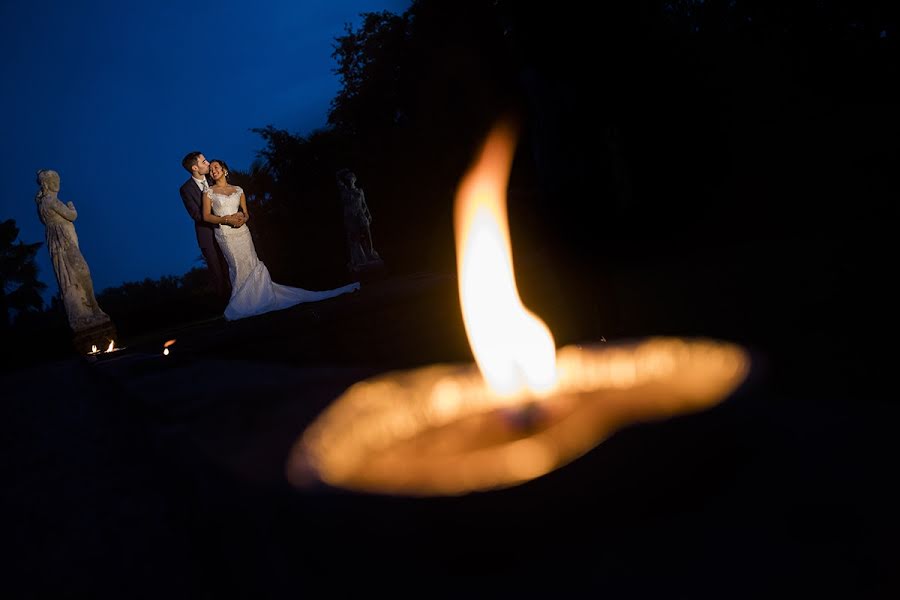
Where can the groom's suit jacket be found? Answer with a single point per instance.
(192, 198)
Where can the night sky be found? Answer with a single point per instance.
(112, 95)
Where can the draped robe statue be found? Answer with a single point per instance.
(87, 320)
(357, 221)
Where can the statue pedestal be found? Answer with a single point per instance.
(370, 271)
(98, 335)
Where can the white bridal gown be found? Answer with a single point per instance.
(252, 290)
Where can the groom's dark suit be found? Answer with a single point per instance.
(206, 239)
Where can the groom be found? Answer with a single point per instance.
(191, 194)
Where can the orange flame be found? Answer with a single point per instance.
(513, 348)
(446, 429)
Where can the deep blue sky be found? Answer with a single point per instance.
(113, 94)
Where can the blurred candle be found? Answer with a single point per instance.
(524, 409)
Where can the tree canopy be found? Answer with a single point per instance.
(20, 289)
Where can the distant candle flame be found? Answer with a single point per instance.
(513, 348)
(165, 351)
(109, 349)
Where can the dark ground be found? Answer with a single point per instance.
(142, 476)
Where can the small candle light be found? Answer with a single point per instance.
(525, 408)
(166, 347)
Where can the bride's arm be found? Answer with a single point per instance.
(244, 207)
(208, 216)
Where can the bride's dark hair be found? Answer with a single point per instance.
(224, 166)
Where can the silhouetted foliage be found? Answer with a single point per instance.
(419, 91)
(651, 121)
(371, 64)
(136, 309)
(20, 290)
(295, 218)
(651, 128)
(151, 305)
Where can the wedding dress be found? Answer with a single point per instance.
(252, 290)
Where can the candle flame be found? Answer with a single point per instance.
(112, 345)
(513, 348)
(93, 348)
(165, 351)
(447, 429)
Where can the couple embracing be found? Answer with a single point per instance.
(220, 215)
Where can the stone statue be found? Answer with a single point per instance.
(91, 325)
(357, 221)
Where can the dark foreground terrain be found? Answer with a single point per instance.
(137, 475)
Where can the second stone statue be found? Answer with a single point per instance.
(91, 326)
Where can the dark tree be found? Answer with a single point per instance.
(295, 217)
(647, 128)
(138, 307)
(371, 62)
(20, 289)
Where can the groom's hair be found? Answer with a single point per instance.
(189, 160)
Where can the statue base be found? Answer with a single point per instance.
(99, 335)
(374, 269)
(371, 265)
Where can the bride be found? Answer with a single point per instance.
(252, 290)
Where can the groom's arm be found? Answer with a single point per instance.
(211, 218)
(190, 204)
